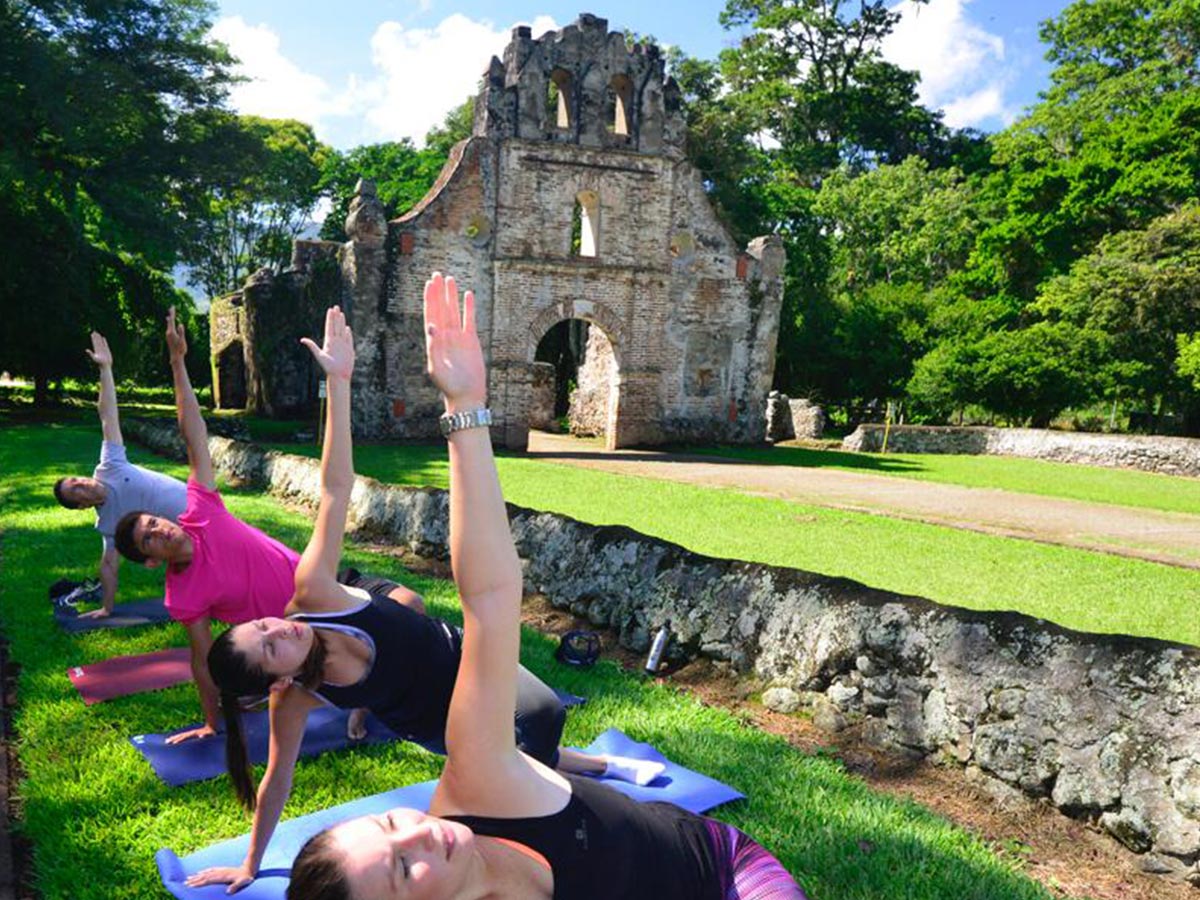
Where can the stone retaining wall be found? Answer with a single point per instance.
(1106, 728)
(1166, 455)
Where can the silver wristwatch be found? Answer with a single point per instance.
(475, 418)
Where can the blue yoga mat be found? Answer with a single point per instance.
(125, 615)
(204, 758)
(286, 842)
(679, 785)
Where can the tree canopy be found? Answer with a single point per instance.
(95, 106)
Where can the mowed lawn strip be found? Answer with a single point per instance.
(1078, 589)
(1091, 484)
(95, 814)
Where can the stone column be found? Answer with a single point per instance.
(636, 416)
(364, 260)
(510, 392)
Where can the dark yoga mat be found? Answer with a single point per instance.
(124, 675)
(677, 785)
(125, 615)
(203, 758)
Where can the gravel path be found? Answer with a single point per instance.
(1165, 537)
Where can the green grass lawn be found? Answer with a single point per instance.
(1119, 487)
(1077, 588)
(95, 814)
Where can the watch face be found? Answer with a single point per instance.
(444, 424)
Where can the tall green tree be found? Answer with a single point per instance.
(402, 173)
(811, 74)
(92, 99)
(1140, 289)
(247, 216)
(896, 234)
(1114, 143)
(806, 92)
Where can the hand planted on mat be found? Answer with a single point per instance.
(100, 613)
(356, 725)
(202, 732)
(453, 355)
(336, 356)
(237, 877)
(100, 353)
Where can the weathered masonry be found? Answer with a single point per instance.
(572, 199)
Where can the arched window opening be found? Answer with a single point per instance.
(620, 93)
(585, 224)
(558, 99)
(574, 380)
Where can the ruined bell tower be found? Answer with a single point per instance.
(572, 199)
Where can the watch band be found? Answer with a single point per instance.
(475, 418)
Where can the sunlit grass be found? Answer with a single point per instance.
(95, 814)
(1079, 589)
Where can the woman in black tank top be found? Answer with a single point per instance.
(357, 643)
(502, 824)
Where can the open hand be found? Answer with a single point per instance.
(100, 353)
(237, 877)
(336, 356)
(191, 734)
(454, 358)
(176, 339)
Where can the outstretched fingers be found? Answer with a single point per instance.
(469, 312)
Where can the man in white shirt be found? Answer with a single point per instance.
(117, 486)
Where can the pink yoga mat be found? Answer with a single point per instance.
(124, 675)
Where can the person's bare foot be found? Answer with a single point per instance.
(356, 725)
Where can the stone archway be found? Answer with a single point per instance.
(597, 404)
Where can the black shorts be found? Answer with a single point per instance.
(372, 584)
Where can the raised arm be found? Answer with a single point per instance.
(316, 575)
(187, 408)
(110, 423)
(483, 761)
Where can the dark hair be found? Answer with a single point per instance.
(61, 497)
(123, 537)
(317, 871)
(235, 678)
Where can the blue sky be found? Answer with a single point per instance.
(363, 71)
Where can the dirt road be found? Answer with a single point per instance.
(1166, 537)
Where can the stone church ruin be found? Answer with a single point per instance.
(572, 200)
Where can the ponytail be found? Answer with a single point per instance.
(237, 760)
(236, 679)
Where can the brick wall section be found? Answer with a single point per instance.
(1106, 728)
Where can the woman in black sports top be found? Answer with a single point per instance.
(357, 643)
(502, 824)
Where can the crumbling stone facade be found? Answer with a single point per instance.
(257, 360)
(572, 199)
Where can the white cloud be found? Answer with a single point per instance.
(417, 75)
(971, 109)
(426, 72)
(276, 87)
(962, 65)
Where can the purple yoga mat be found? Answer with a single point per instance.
(124, 675)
